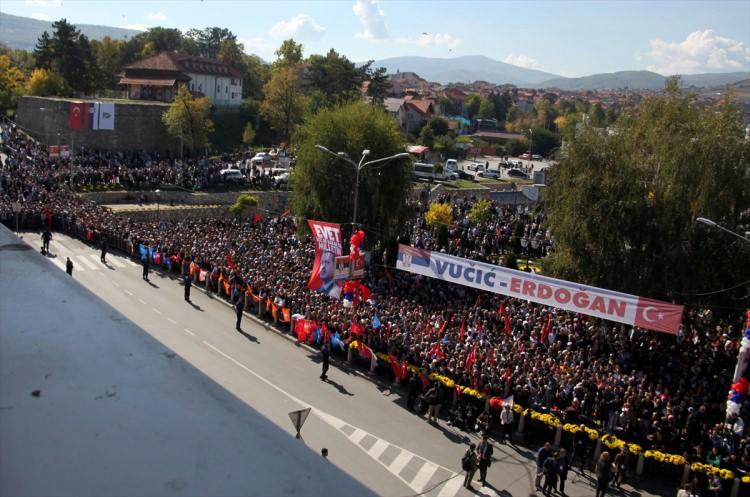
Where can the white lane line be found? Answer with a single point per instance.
(142, 301)
(156, 310)
(452, 486)
(423, 476)
(116, 284)
(357, 435)
(116, 262)
(58, 263)
(378, 448)
(171, 320)
(402, 459)
(97, 260)
(86, 262)
(130, 293)
(188, 331)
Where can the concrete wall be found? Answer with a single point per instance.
(138, 125)
(271, 201)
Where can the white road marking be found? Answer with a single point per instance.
(58, 263)
(142, 301)
(86, 262)
(423, 476)
(128, 261)
(451, 487)
(156, 310)
(171, 320)
(116, 261)
(402, 459)
(357, 435)
(378, 448)
(188, 331)
(97, 260)
(395, 467)
(116, 284)
(130, 293)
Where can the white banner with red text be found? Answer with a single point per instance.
(575, 297)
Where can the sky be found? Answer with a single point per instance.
(567, 38)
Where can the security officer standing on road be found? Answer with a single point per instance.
(326, 356)
(188, 283)
(103, 257)
(69, 267)
(239, 307)
(146, 263)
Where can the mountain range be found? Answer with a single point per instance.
(23, 32)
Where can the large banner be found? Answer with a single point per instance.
(575, 297)
(328, 246)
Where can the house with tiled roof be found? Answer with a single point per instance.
(158, 78)
(417, 113)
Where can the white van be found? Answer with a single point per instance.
(451, 165)
(427, 172)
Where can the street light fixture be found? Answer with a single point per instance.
(358, 167)
(158, 198)
(714, 224)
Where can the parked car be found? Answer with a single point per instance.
(464, 175)
(517, 173)
(231, 176)
(475, 166)
(261, 159)
(489, 174)
(525, 156)
(281, 179)
(537, 157)
(451, 165)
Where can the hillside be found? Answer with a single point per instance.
(640, 79)
(464, 69)
(23, 32)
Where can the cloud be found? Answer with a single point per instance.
(258, 46)
(372, 19)
(701, 51)
(156, 16)
(137, 27)
(522, 61)
(432, 40)
(44, 3)
(40, 16)
(301, 27)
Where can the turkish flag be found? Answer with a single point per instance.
(77, 115)
(658, 316)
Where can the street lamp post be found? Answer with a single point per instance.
(358, 167)
(531, 139)
(158, 198)
(714, 224)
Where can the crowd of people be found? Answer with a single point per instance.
(664, 392)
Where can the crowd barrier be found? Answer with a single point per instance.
(358, 353)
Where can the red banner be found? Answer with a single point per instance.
(328, 245)
(78, 115)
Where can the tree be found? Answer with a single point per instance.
(544, 141)
(231, 52)
(335, 76)
(481, 211)
(245, 203)
(623, 205)
(438, 125)
(486, 110)
(44, 83)
(427, 137)
(283, 104)
(379, 86)
(472, 104)
(11, 85)
(501, 104)
(68, 53)
(209, 41)
(439, 214)
(254, 76)
(107, 53)
(188, 119)
(289, 53)
(323, 185)
(598, 117)
(248, 134)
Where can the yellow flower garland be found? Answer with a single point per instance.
(610, 441)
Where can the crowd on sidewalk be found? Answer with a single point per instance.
(663, 392)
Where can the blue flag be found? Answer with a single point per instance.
(376, 322)
(142, 251)
(336, 341)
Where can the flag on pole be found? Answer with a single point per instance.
(462, 332)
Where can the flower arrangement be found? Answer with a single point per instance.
(746, 479)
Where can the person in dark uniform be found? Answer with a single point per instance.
(188, 284)
(69, 266)
(103, 246)
(415, 387)
(484, 453)
(46, 237)
(326, 356)
(146, 263)
(239, 307)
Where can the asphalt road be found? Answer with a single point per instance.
(364, 425)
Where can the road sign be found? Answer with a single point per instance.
(298, 418)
